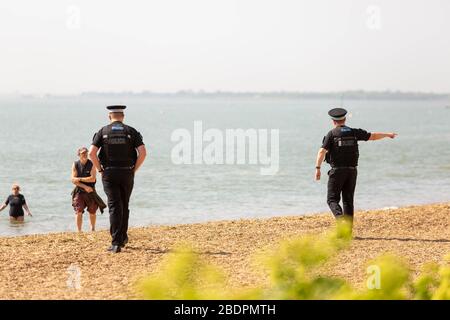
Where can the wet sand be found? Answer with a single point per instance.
(38, 266)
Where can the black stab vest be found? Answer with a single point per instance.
(344, 150)
(117, 150)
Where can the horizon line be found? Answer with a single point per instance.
(200, 92)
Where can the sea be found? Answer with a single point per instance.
(39, 137)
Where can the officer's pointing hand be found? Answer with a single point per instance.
(392, 135)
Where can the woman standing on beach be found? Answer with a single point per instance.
(17, 203)
(84, 195)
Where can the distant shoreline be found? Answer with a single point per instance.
(340, 95)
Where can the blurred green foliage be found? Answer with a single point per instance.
(292, 267)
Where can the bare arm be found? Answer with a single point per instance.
(3, 206)
(381, 135)
(94, 157)
(91, 178)
(27, 210)
(76, 180)
(320, 157)
(142, 154)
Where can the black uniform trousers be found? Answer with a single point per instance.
(342, 180)
(118, 185)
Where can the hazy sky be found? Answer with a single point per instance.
(59, 46)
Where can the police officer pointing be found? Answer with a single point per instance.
(122, 152)
(340, 150)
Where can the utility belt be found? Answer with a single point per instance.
(119, 168)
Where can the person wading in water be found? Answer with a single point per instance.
(17, 203)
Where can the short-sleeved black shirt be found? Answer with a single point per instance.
(360, 134)
(15, 205)
(136, 137)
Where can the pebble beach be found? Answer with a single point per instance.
(38, 266)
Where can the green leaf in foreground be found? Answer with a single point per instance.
(291, 267)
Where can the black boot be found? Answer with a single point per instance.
(114, 248)
(124, 243)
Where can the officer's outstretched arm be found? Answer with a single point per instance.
(381, 135)
(94, 158)
(142, 153)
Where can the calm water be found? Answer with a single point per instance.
(39, 138)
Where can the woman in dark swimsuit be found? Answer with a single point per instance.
(16, 202)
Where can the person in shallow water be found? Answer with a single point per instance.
(17, 203)
(340, 150)
(84, 195)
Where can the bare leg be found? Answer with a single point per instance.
(79, 220)
(92, 219)
(16, 219)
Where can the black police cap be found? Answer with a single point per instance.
(116, 108)
(337, 114)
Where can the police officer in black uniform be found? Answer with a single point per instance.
(340, 150)
(122, 152)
